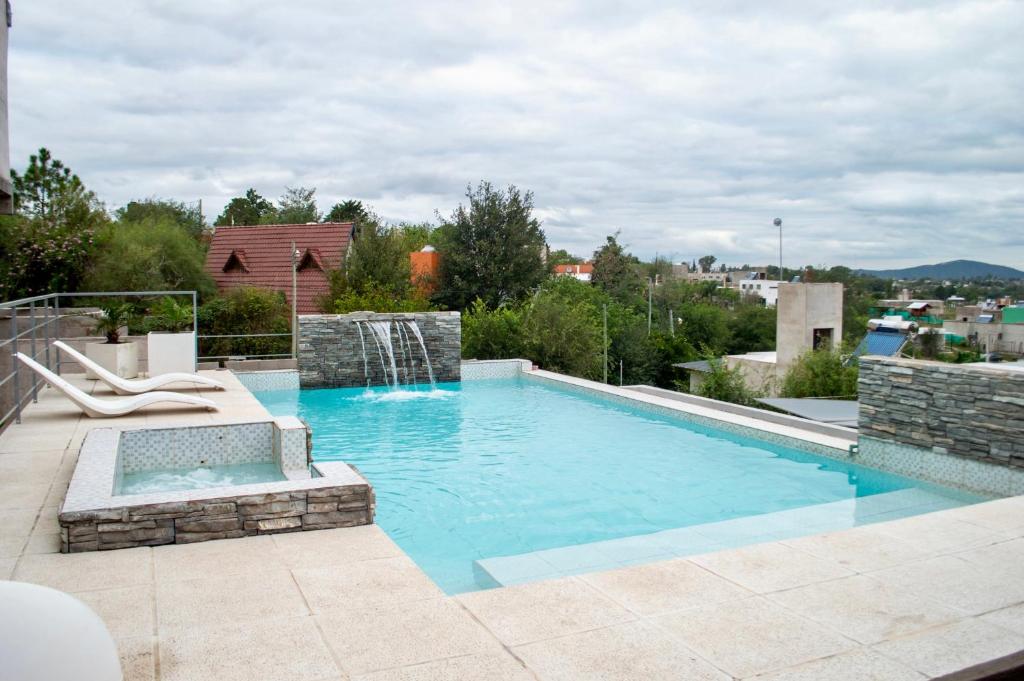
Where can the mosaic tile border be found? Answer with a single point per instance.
(147, 449)
(478, 370)
(637, 400)
(946, 469)
(277, 379)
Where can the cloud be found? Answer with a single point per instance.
(883, 133)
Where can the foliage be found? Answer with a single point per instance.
(616, 271)
(378, 257)
(114, 317)
(376, 298)
(171, 316)
(245, 311)
(560, 335)
(705, 326)
(563, 257)
(156, 254)
(725, 384)
(929, 344)
(296, 206)
(415, 235)
(751, 329)
(491, 249)
(187, 215)
(347, 211)
(820, 373)
(492, 334)
(47, 245)
(245, 210)
(706, 262)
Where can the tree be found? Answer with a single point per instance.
(378, 257)
(186, 215)
(245, 210)
(616, 271)
(564, 336)
(751, 329)
(296, 206)
(245, 311)
(156, 254)
(347, 211)
(46, 247)
(706, 262)
(492, 334)
(820, 373)
(562, 257)
(491, 249)
(725, 384)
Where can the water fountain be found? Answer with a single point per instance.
(381, 333)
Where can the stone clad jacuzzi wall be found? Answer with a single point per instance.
(95, 517)
(340, 351)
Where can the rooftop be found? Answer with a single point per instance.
(914, 598)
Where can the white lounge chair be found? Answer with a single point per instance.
(137, 386)
(117, 406)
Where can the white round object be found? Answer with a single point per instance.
(47, 635)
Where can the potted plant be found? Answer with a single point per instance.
(172, 342)
(115, 355)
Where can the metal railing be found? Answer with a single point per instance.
(34, 325)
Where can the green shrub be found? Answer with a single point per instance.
(820, 373)
(492, 334)
(727, 385)
(376, 298)
(245, 311)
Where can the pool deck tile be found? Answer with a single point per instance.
(911, 598)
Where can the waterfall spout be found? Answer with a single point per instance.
(412, 326)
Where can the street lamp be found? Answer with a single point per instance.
(295, 302)
(778, 223)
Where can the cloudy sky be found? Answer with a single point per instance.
(883, 133)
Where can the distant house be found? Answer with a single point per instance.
(583, 271)
(261, 256)
(919, 308)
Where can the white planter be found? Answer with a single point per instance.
(170, 352)
(119, 358)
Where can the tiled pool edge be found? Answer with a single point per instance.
(809, 442)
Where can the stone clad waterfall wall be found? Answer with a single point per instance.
(331, 349)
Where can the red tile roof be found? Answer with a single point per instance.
(260, 256)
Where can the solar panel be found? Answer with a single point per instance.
(881, 343)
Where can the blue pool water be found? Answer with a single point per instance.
(174, 479)
(480, 470)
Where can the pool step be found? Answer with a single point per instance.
(708, 537)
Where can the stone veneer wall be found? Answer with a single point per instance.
(331, 351)
(185, 522)
(969, 411)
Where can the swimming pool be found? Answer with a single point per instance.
(499, 481)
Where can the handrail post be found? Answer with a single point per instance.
(15, 364)
(56, 333)
(32, 346)
(195, 331)
(46, 333)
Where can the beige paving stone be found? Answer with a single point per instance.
(24, 496)
(74, 572)
(752, 636)
(225, 599)
(542, 610)
(633, 650)
(1002, 515)
(1011, 618)
(220, 558)
(138, 661)
(17, 522)
(368, 584)
(30, 467)
(371, 640)
(12, 545)
(863, 609)
(938, 533)
(7, 567)
(770, 567)
(664, 586)
(958, 583)
(485, 667)
(953, 647)
(43, 542)
(257, 650)
(127, 612)
(1007, 556)
(341, 546)
(856, 665)
(860, 549)
(34, 437)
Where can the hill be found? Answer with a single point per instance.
(954, 269)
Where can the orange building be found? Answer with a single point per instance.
(424, 266)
